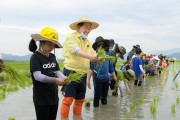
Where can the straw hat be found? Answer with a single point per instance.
(47, 34)
(83, 19)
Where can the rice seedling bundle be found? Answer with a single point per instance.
(14, 77)
(87, 103)
(101, 55)
(119, 77)
(74, 77)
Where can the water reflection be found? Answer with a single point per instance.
(19, 104)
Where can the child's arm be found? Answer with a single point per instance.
(89, 74)
(114, 76)
(142, 70)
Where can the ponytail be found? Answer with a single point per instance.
(32, 46)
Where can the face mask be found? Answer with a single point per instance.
(84, 37)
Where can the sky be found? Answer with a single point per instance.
(153, 24)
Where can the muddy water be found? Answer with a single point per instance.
(19, 104)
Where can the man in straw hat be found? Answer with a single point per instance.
(78, 52)
(45, 73)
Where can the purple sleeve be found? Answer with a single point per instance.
(76, 48)
(43, 78)
(59, 74)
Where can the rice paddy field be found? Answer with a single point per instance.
(157, 99)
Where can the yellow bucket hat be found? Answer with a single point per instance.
(83, 19)
(47, 34)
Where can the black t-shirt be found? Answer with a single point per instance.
(44, 93)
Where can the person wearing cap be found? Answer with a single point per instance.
(100, 73)
(119, 52)
(132, 52)
(137, 67)
(78, 52)
(45, 73)
(154, 64)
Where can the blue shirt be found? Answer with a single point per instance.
(136, 61)
(101, 71)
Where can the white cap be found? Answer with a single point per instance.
(156, 57)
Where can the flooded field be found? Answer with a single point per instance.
(156, 99)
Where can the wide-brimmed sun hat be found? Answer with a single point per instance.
(47, 34)
(136, 46)
(120, 49)
(84, 19)
(100, 41)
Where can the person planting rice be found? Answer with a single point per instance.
(123, 77)
(45, 73)
(112, 53)
(119, 51)
(78, 52)
(152, 66)
(137, 68)
(100, 73)
(132, 52)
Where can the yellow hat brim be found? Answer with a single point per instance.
(38, 37)
(74, 26)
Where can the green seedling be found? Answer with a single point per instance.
(173, 109)
(76, 77)
(176, 85)
(101, 55)
(153, 109)
(132, 107)
(11, 118)
(140, 100)
(87, 103)
(177, 100)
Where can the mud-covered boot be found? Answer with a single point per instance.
(96, 101)
(139, 83)
(103, 101)
(135, 82)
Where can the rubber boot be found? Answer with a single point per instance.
(139, 83)
(66, 103)
(135, 82)
(96, 100)
(77, 108)
(103, 101)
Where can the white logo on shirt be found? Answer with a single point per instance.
(49, 65)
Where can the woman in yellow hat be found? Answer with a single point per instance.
(78, 52)
(45, 72)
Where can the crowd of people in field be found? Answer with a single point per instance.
(82, 57)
